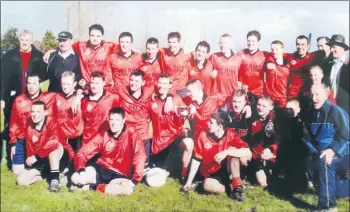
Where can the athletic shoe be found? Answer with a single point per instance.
(54, 186)
(237, 194)
(335, 209)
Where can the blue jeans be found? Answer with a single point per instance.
(332, 184)
(20, 153)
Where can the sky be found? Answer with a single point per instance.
(196, 21)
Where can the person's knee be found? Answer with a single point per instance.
(18, 169)
(188, 144)
(24, 179)
(213, 186)
(244, 161)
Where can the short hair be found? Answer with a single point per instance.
(254, 33)
(167, 76)
(68, 74)
(240, 92)
(300, 37)
(192, 81)
(96, 27)
(39, 103)
(278, 42)
(33, 74)
(98, 74)
(138, 73)
(316, 67)
(126, 34)
(204, 44)
(174, 35)
(267, 98)
(294, 100)
(152, 41)
(225, 36)
(25, 32)
(323, 37)
(117, 110)
(221, 118)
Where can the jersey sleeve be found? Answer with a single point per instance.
(237, 142)
(87, 151)
(14, 124)
(139, 159)
(198, 148)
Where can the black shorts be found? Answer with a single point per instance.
(258, 165)
(41, 164)
(105, 176)
(160, 158)
(221, 175)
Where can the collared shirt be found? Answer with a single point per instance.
(335, 76)
(66, 54)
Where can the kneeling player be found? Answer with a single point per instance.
(43, 148)
(122, 154)
(220, 152)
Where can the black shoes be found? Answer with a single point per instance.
(54, 186)
(237, 194)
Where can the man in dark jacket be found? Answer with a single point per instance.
(63, 59)
(16, 64)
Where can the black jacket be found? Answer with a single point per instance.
(57, 65)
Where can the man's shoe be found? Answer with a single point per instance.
(334, 209)
(54, 186)
(237, 194)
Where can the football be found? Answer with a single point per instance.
(156, 177)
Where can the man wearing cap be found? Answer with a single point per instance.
(61, 60)
(338, 71)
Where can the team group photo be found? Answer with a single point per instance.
(175, 106)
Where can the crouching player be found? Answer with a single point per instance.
(219, 153)
(122, 160)
(43, 146)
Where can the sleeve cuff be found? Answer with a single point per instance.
(197, 159)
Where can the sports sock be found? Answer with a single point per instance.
(101, 188)
(183, 171)
(236, 181)
(55, 173)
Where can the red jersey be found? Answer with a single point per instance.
(95, 114)
(226, 80)
(137, 111)
(121, 67)
(92, 60)
(208, 145)
(177, 66)
(203, 74)
(152, 71)
(71, 125)
(124, 154)
(166, 127)
(21, 113)
(251, 71)
(276, 82)
(42, 142)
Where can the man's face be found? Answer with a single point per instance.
(33, 85)
(201, 53)
(116, 122)
(151, 50)
(25, 42)
(65, 45)
(194, 92)
(252, 43)
(276, 51)
(125, 44)
(68, 85)
(337, 51)
(136, 83)
(174, 44)
(37, 113)
(319, 96)
(316, 75)
(225, 44)
(294, 106)
(264, 107)
(302, 46)
(163, 85)
(321, 45)
(213, 126)
(95, 37)
(238, 103)
(96, 85)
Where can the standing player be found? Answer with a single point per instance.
(226, 65)
(124, 61)
(219, 153)
(122, 159)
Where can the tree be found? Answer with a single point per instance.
(10, 38)
(49, 41)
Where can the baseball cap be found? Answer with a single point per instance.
(64, 35)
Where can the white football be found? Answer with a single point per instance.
(75, 178)
(156, 177)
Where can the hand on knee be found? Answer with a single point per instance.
(261, 178)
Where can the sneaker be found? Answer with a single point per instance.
(54, 186)
(334, 209)
(237, 194)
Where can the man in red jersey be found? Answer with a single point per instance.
(124, 61)
(150, 64)
(44, 148)
(122, 159)
(19, 116)
(219, 153)
(276, 74)
(201, 68)
(168, 127)
(226, 65)
(175, 62)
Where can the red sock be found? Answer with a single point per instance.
(183, 171)
(236, 181)
(101, 188)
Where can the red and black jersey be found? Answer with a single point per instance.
(176, 65)
(41, 142)
(95, 114)
(137, 111)
(92, 59)
(124, 155)
(276, 82)
(251, 71)
(263, 135)
(152, 70)
(71, 125)
(21, 113)
(208, 145)
(203, 74)
(226, 80)
(166, 127)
